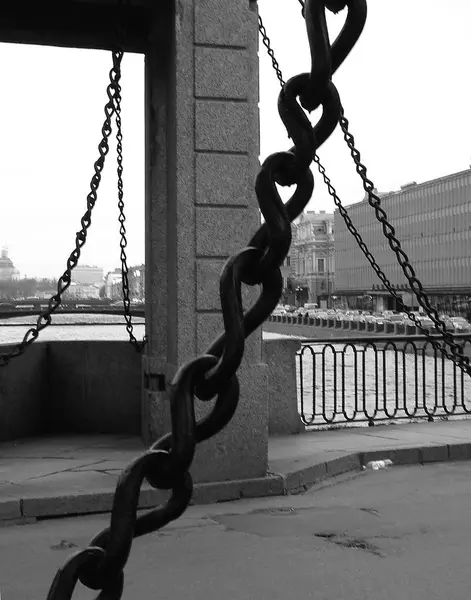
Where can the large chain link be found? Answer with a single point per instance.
(139, 346)
(456, 355)
(64, 281)
(165, 465)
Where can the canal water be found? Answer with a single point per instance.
(72, 327)
(334, 384)
(338, 384)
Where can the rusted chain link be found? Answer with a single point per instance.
(64, 281)
(457, 355)
(166, 464)
(139, 346)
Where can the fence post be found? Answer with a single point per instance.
(283, 414)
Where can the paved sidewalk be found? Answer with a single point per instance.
(400, 533)
(68, 475)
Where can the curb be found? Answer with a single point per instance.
(29, 509)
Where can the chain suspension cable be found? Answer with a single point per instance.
(457, 355)
(214, 374)
(377, 269)
(139, 346)
(271, 54)
(64, 281)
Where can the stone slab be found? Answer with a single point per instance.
(224, 24)
(9, 509)
(15, 470)
(222, 179)
(221, 73)
(80, 491)
(221, 232)
(222, 126)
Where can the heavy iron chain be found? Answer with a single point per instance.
(166, 464)
(456, 355)
(64, 281)
(139, 346)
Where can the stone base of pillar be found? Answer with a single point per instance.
(240, 450)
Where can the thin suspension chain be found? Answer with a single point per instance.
(271, 54)
(457, 356)
(139, 346)
(214, 374)
(64, 281)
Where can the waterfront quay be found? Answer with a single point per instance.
(370, 377)
(362, 379)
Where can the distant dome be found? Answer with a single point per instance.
(6, 263)
(7, 268)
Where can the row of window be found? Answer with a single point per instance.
(420, 239)
(441, 219)
(450, 271)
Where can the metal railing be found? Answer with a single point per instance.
(368, 379)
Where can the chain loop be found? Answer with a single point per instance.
(456, 355)
(45, 317)
(113, 107)
(139, 346)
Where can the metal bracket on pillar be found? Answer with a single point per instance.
(154, 372)
(154, 382)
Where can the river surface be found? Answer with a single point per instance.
(334, 384)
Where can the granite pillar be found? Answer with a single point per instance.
(202, 147)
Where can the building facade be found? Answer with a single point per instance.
(113, 285)
(82, 291)
(86, 274)
(432, 220)
(313, 257)
(137, 282)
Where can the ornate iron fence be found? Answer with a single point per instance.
(379, 379)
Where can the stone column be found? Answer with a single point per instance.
(202, 159)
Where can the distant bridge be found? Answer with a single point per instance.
(28, 310)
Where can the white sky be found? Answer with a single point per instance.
(405, 88)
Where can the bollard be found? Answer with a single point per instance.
(399, 329)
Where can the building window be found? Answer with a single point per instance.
(321, 265)
(288, 261)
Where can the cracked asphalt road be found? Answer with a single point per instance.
(403, 533)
